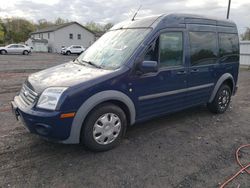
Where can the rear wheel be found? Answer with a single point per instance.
(221, 101)
(3, 52)
(104, 127)
(25, 52)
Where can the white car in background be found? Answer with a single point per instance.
(15, 49)
(73, 49)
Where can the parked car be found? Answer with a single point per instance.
(74, 49)
(15, 49)
(175, 62)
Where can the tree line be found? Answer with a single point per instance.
(16, 30)
(246, 34)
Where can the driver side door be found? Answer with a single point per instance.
(164, 91)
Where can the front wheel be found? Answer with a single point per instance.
(68, 53)
(104, 127)
(3, 52)
(221, 101)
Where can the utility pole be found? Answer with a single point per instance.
(228, 8)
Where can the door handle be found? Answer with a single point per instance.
(195, 70)
(181, 72)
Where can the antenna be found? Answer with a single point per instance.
(136, 13)
(228, 9)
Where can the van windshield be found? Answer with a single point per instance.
(113, 48)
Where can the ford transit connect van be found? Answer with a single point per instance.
(138, 70)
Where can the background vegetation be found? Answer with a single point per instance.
(246, 34)
(16, 30)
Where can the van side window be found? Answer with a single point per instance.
(171, 49)
(229, 47)
(203, 48)
(152, 52)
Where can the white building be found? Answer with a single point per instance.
(38, 45)
(245, 53)
(67, 34)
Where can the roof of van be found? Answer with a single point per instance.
(174, 20)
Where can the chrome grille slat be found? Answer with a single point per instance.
(29, 99)
(27, 88)
(32, 97)
(24, 99)
(27, 95)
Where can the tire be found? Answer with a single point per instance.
(68, 53)
(25, 52)
(221, 100)
(100, 132)
(3, 52)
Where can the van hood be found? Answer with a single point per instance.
(64, 75)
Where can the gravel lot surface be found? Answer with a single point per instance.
(188, 149)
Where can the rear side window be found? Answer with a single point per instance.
(13, 46)
(229, 47)
(171, 49)
(203, 48)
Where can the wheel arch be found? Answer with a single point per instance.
(120, 104)
(230, 83)
(4, 50)
(225, 78)
(25, 51)
(116, 97)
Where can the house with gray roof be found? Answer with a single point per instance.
(65, 35)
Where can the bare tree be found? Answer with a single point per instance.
(246, 34)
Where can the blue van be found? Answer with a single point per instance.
(138, 70)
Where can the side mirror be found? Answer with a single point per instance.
(148, 66)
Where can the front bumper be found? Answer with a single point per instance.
(46, 124)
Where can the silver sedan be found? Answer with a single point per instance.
(15, 49)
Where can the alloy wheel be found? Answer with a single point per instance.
(224, 99)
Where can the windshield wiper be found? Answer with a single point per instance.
(92, 64)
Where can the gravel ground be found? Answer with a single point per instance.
(188, 149)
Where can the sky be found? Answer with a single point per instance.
(103, 11)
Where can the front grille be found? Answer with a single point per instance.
(27, 95)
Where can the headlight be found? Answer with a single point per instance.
(50, 97)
